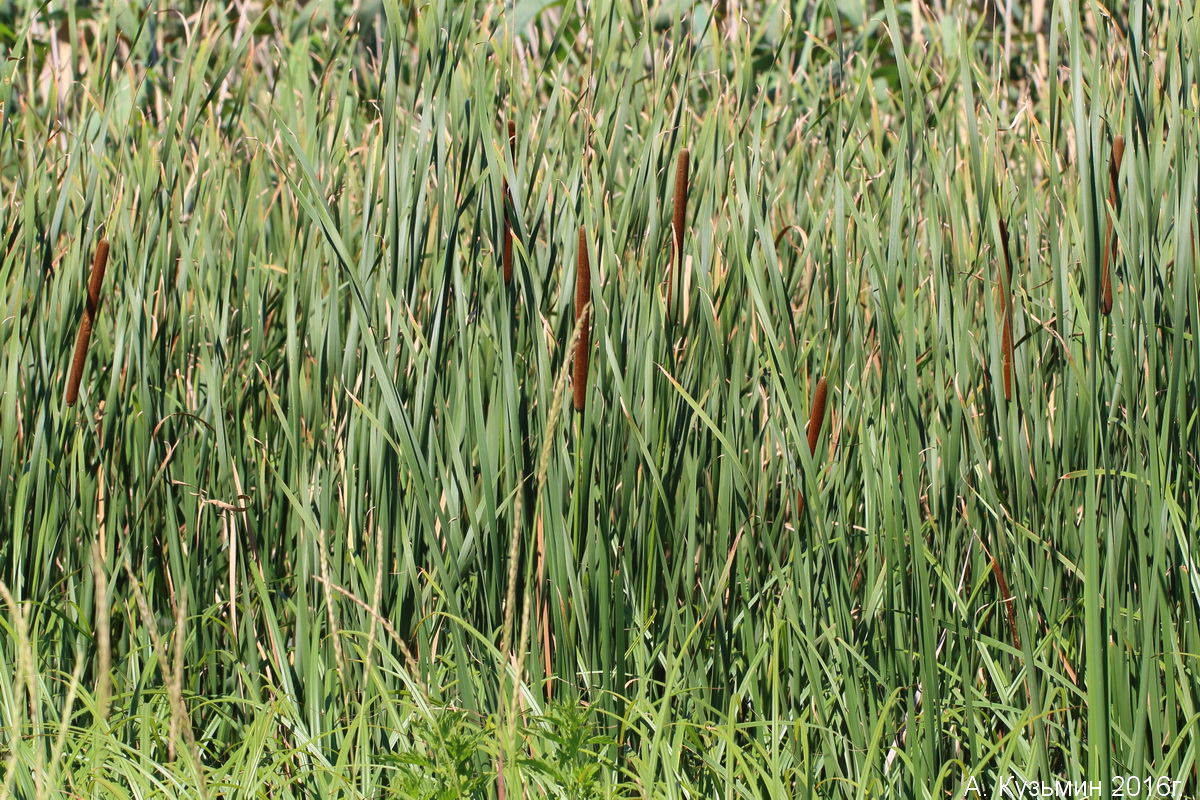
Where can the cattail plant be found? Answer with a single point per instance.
(816, 419)
(677, 223)
(1006, 327)
(1007, 596)
(583, 294)
(90, 310)
(1110, 241)
(512, 146)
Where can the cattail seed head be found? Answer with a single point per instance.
(507, 200)
(816, 419)
(1118, 153)
(1007, 254)
(583, 294)
(678, 221)
(1006, 327)
(1008, 602)
(90, 310)
(1110, 241)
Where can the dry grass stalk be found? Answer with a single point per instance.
(335, 634)
(507, 195)
(816, 419)
(1110, 241)
(90, 310)
(103, 633)
(414, 669)
(583, 295)
(678, 222)
(25, 680)
(176, 688)
(1006, 326)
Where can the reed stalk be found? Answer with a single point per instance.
(103, 633)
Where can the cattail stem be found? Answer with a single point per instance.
(816, 419)
(103, 633)
(90, 310)
(583, 294)
(677, 223)
(507, 199)
(1110, 241)
(1006, 333)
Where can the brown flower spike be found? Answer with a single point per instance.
(678, 221)
(816, 419)
(583, 294)
(507, 199)
(1006, 334)
(1110, 241)
(90, 310)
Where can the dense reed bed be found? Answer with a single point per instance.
(323, 521)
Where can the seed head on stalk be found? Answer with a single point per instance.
(816, 419)
(506, 196)
(583, 294)
(1110, 241)
(90, 310)
(677, 223)
(1006, 334)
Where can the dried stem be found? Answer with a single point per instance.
(103, 633)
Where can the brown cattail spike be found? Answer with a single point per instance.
(1006, 326)
(1110, 241)
(1008, 602)
(507, 200)
(678, 221)
(90, 310)
(816, 419)
(583, 295)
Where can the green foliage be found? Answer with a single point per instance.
(322, 525)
